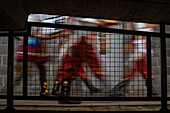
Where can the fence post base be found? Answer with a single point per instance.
(9, 109)
(164, 110)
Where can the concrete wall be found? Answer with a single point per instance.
(3, 60)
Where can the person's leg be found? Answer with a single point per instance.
(91, 87)
(94, 64)
(57, 83)
(87, 80)
(116, 90)
(88, 55)
(91, 59)
(129, 72)
(65, 92)
(80, 71)
(56, 88)
(63, 72)
(143, 69)
(82, 53)
(67, 70)
(43, 80)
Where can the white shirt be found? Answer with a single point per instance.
(140, 45)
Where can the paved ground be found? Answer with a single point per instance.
(85, 105)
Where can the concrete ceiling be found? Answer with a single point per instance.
(14, 13)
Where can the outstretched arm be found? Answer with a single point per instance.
(48, 37)
(61, 33)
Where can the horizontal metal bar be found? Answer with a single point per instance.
(85, 98)
(3, 96)
(98, 29)
(167, 35)
(75, 27)
(14, 34)
(77, 111)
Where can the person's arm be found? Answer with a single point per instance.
(61, 33)
(37, 54)
(48, 37)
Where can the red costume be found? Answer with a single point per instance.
(137, 60)
(76, 52)
(139, 65)
(72, 64)
(34, 53)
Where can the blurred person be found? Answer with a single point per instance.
(77, 51)
(137, 60)
(37, 53)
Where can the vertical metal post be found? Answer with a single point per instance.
(25, 59)
(10, 71)
(163, 69)
(149, 67)
(124, 53)
(25, 55)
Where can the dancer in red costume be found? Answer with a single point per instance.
(78, 52)
(137, 60)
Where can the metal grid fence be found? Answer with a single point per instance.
(112, 58)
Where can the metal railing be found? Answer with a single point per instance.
(162, 35)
